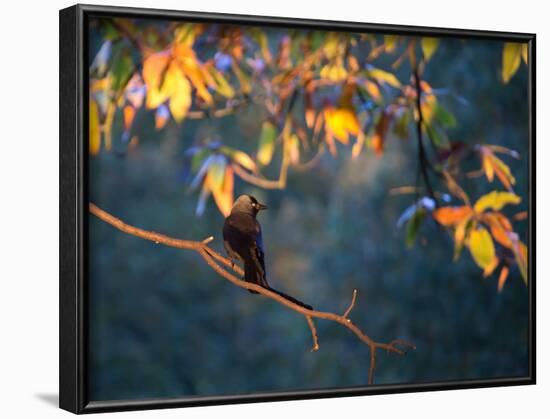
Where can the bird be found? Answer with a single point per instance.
(243, 242)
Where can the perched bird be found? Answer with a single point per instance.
(242, 239)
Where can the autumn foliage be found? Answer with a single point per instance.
(322, 91)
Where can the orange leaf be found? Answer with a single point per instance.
(129, 113)
(223, 196)
(94, 139)
(500, 227)
(502, 277)
(450, 216)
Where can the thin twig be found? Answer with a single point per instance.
(211, 257)
(311, 325)
(354, 296)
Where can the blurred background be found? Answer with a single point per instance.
(163, 324)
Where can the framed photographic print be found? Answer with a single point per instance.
(257, 209)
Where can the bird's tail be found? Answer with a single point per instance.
(253, 275)
(291, 299)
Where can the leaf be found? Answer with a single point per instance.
(99, 64)
(341, 122)
(358, 146)
(203, 197)
(414, 225)
(492, 165)
(292, 148)
(525, 53)
(390, 43)
(460, 234)
(239, 157)
(482, 247)
(520, 252)
(438, 138)
(121, 68)
(154, 68)
(95, 131)
(383, 76)
(500, 227)
(502, 277)
(216, 172)
(223, 194)
(222, 85)
(267, 143)
(373, 90)
(511, 59)
(444, 117)
(429, 46)
(334, 72)
(179, 89)
(129, 113)
(449, 216)
(496, 200)
(379, 136)
(244, 80)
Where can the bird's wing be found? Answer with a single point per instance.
(257, 253)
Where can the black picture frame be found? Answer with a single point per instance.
(73, 290)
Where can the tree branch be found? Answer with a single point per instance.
(211, 257)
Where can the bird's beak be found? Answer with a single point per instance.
(261, 207)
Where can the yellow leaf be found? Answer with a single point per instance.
(222, 86)
(525, 53)
(496, 200)
(95, 131)
(511, 59)
(390, 43)
(267, 143)
(482, 248)
(154, 68)
(384, 77)
(373, 90)
(449, 216)
(239, 157)
(179, 89)
(341, 122)
(223, 196)
(429, 46)
(192, 70)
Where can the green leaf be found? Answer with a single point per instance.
(511, 59)
(439, 138)
(482, 247)
(496, 200)
(122, 68)
(414, 225)
(390, 43)
(401, 126)
(429, 46)
(444, 117)
(267, 143)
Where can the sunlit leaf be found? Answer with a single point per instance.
(179, 90)
(449, 216)
(222, 193)
(482, 248)
(502, 277)
(154, 68)
(222, 85)
(244, 80)
(525, 53)
(239, 157)
(492, 165)
(460, 234)
(266, 146)
(373, 90)
(390, 43)
(341, 122)
(95, 131)
(429, 46)
(438, 138)
(496, 200)
(334, 72)
(511, 59)
(129, 113)
(193, 72)
(383, 76)
(292, 148)
(358, 146)
(500, 227)
(520, 253)
(379, 136)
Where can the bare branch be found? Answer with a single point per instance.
(211, 257)
(354, 296)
